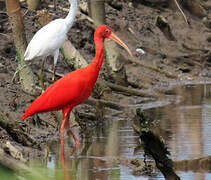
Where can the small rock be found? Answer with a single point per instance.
(141, 51)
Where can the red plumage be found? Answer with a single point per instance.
(75, 87)
(71, 90)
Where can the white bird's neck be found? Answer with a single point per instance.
(72, 13)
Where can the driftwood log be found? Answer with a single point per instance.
(154, 145)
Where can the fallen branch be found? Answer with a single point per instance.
(196, 165)
(128, 91)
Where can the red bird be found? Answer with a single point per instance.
(75, 87)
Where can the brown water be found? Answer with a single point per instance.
(185, 127)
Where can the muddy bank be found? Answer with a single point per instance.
(165, 63)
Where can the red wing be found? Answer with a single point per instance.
(64, 91)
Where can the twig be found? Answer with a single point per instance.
(183, 14)
(25, 12)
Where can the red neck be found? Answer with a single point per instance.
(99, 52)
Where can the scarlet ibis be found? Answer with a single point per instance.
(75, 87)
(50, 38)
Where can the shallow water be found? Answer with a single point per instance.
(185, 127)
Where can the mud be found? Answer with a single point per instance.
(185, 60)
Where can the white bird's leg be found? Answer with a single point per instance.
(56, 55)
(41, 74)
(54, 4)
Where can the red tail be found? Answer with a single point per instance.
(24, 116)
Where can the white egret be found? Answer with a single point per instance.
(50, 38)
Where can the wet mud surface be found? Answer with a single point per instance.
(165, 64)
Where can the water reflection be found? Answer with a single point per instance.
(185, 127)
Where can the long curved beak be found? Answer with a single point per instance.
(117, 40)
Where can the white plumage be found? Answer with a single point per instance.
(50, 38)
(46, 40)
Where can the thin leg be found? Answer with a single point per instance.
(54, 4)
(54, 71)
(55, 58)
(66, 125)
(41, 75)
(66, 177)
(62, 135)
(77, 143)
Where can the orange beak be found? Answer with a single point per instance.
(117, 40)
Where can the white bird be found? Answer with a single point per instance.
(50, 38)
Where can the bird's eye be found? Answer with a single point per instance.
(106, 30)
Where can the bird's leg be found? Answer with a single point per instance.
(55, 58)
(54, 4)
(66, 125)
(66, 177)
(77, 143)
(41, 75)
(54, 70)
(62, 132)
